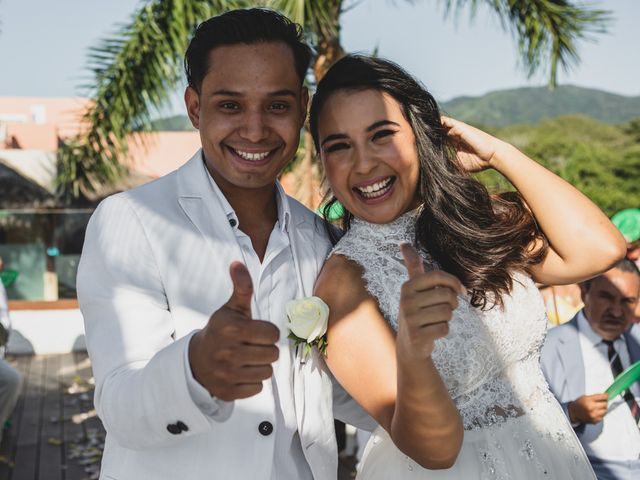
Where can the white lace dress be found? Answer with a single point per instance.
(514, 427)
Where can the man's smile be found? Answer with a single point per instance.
(254, 156)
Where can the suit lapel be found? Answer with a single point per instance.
(633, 345)
(311, 395)
(306, 266)
(632, 336)
(299, 238)
(571, 357)
(200, 204)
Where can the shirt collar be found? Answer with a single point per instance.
(585, 328)
(284, 210)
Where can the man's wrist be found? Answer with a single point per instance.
(572, 417)
(192, 355)
(209, 405)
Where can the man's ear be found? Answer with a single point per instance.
(304, 101)
(192, 102)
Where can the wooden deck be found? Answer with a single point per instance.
(54, 433)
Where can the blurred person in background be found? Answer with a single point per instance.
(9, 377)
(581, 358)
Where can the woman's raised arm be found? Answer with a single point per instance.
(582, 240)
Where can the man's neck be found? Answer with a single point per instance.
(253, 207)
(257, 212)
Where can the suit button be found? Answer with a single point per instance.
(174, 429)
(182, 426)
(265, 428)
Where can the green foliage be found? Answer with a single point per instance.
(133, 73)
(546, 30)
(319, 18)
(633, 128)
(601, 160)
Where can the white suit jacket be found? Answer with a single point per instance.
(154, 268)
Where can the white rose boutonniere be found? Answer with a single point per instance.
(308, 319)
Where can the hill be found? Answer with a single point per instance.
(510, 107)
(530, 105)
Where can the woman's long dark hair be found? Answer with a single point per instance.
(479, 238)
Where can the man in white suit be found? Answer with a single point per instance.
(183, 283)
(580, 360)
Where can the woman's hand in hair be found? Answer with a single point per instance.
(475, 149)
(582, 240)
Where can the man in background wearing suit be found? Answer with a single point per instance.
(581, 358)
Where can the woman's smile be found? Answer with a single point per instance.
(376, 190)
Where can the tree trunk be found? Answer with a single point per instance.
(308, 174)
(329, 52)
(306, 180)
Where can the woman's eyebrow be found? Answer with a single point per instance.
(232, 93)
(373, 126)
(380, 123)
(333, 136)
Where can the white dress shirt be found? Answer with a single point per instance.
(274, 284)
(617, 437)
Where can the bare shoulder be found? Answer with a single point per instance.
(340, 282)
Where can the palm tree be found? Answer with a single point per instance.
(136, 69)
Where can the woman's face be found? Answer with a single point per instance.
(369, 154)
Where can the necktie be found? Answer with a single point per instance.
(616, 369)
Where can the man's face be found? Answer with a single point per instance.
(610, 302)
(249, 112)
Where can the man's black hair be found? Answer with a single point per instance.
(245, 26)
(624, 265)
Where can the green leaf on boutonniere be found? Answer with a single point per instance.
(296, 339)
(319, 343)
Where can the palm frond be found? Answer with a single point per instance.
(133, 72)
(547, 31)
(320, 18)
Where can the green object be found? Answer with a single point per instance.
(628, 222)
(623, 381)
(336, 212)
(8, 277)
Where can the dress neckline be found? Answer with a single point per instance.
(404, 223)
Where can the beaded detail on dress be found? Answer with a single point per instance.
(490, 359)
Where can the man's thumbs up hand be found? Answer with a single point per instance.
(232, 355)
(240, 300)
(427, 302)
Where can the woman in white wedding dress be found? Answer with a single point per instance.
(446, 335)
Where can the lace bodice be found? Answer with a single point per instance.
(490, 359)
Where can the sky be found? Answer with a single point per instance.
(44, 46)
